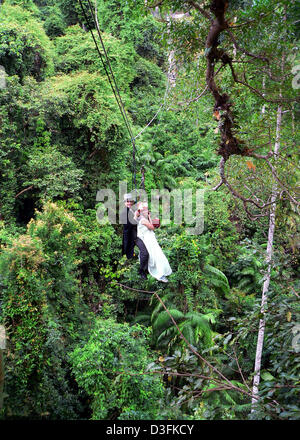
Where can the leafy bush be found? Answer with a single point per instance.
(25, 49)
(111, 366)
(53, 174)
(76, 51)
(43, 315)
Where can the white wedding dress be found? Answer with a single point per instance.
(158, 265)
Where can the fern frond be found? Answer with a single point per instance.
(248, 271)
(200, 325)
(220, 285)
(159, 307)
(188, 332)
(246, 285)
(163, 319)
(217, 278)
(196, 319)
(165, 337)
(143, 319)
(227, 397)
(213, 270)
(211, 317)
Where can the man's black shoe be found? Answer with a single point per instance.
(143, 276)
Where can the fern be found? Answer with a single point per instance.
(217, 278)
(246, 274)
(188, 332)
(163, 320)
(166, 338)
(246, 285)
(159, 307)
(248, 271)
(194, 327)
(143, 319)
(200, 324)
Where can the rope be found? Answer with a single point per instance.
(111, 71)
(143, 177)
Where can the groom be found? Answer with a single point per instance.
(130, 236)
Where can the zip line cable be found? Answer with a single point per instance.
(118, 93)
(110, 68)
(104, 65)
(111, 80)
(167, 90)
(113, 83)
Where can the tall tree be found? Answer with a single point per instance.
(266, 283)
(226, 34)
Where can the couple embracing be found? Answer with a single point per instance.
(138, 229)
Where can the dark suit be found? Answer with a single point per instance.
(130, 239)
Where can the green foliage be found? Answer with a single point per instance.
(193, 325)
(54, 23)
(280, 375)
(71, 11)
(98, 251)
(12, 155)
(217, 278)
(200, 395)
(63, 138)
(148, 88)
(53, 174)
(43, 314)
(130, 24)
(83, 122)
(246, 273)
(76, 51)
(111, 365)
(193, 298)
(220, 230)
(24, 47)
(222, 405)
(174, 149)
(199, 285)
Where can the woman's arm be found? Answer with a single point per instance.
(148, 224)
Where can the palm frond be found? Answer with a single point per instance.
(159, 307)
(163, 340)
(163, 320)
(188, 332)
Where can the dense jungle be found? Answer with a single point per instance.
(167, 95)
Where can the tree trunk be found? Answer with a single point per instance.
(172, 69)
(96, 14)
(261, 330)
(1, 378)
(263, 87)
(2, 347)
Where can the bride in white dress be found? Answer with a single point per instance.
(158, 265)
